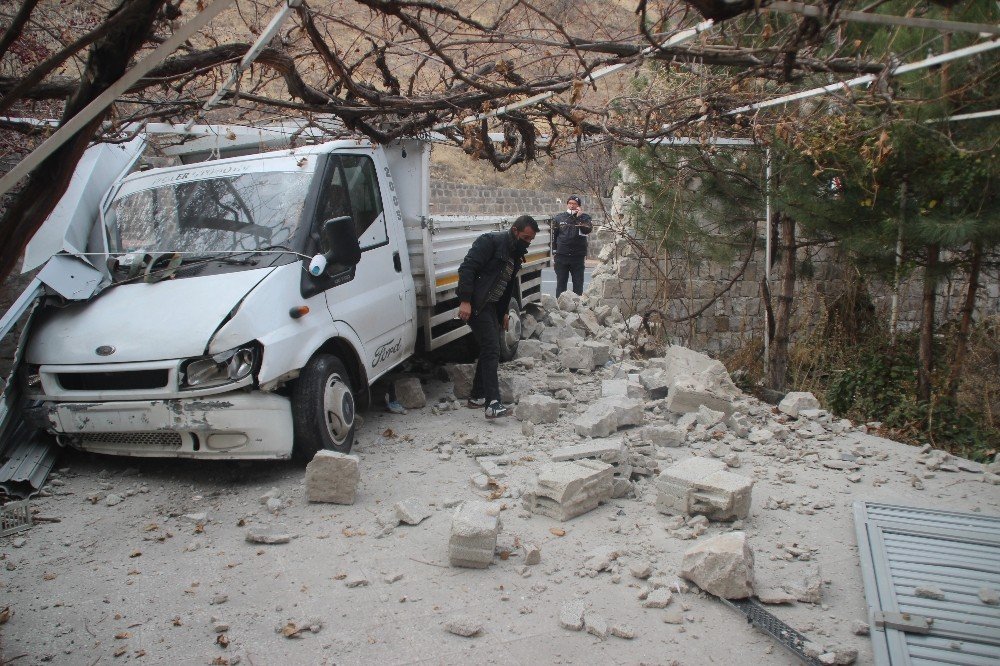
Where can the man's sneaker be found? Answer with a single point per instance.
(496, 410)
(475, 403)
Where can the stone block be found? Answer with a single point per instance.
(722, 565)
(656, 382)
(612, 452)
(796, 401)
(332, 477)
(411, 511)
(473, 540)
(564, 490)
(589, 322)
(560, 335)
(687, 397)
(461, 375)
(513, 388)
(614, 387)
(568, 301)
(665, 435)
(537, 409)
(680, 362)
(577, 358)
(530, 349)
(409, 392)
(702, 486)
(528, 326)
(602, 352)
(600, 420)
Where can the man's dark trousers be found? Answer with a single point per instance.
(566, 266)
(486, 330)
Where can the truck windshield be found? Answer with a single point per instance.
(240, 213)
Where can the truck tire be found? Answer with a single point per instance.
(323, 408)
(510, 337)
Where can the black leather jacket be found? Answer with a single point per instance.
(568, 240)
(481, 269)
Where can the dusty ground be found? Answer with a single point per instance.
(143, 580)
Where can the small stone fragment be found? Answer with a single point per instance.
(532, 554)
(596, 625)
(623, 631)
(989, 596)
(411, 511)
(929, 592)
(859, 628)
(267, 536)
(463, 626)
(571, 615)
(722, 565)
(659, 598)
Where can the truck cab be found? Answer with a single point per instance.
(214, 339)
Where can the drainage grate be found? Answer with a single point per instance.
(14, 517)
(152, 439)
(762, 619)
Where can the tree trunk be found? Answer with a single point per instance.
(778, 367)
(965, 325)
(926, 353)
(108, 61)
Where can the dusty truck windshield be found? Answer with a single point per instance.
(240, 213)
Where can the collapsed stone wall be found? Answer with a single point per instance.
(638, 280)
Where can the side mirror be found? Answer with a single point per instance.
(340, 249)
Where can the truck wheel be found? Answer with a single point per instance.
(322, 408)
(510, 337)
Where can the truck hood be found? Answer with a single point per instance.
(142, 322)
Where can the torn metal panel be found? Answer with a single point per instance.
(765, 621)
(14, 517)
(957, 554)
(29, 457)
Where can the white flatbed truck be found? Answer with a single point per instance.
(209, 336)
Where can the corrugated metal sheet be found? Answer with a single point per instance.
(903, 548)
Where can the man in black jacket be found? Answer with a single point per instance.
(486, 281)
(569, 241)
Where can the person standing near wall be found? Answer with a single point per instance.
(569, 244)
(486, 280)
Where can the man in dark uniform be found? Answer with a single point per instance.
(486, 281)
(569, 242)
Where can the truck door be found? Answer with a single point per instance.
(373, 302)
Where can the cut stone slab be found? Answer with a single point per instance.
(702, 486)
(332, 477)
(598, 421)
(658, 598)
(409, 393)
(614, 387)
(722, 565)
(796, 401)
(613, 452)
(412, 511)
(538, 409)
(473, 540)
(687, 396)
(680, 362)
(564, 490)
(512, 389)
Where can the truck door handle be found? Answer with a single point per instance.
(396, 262)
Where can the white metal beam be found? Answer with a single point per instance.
(679, 38)
(105, 99)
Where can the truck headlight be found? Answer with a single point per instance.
(222, 368)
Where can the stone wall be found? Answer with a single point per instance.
(671, 286)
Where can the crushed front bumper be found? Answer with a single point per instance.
(226, 426)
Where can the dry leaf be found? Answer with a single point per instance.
(290, 630)
(122, 635)
(388, 432)
(340, 576)
(242, 522)
(199, 528)
(152, 527)
(120, 651)
(48, 576)
(222, 640)
(177, 621)
(134, 572)
(136, 553)
(220, 661)
(5, 614)
(140, 653)
(558, 531)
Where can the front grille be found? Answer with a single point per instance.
(161, 440)
(129, 380)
